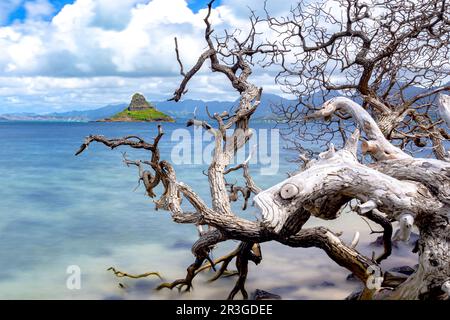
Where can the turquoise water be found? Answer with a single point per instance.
(58, 210)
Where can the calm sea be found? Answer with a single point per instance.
(58, 210)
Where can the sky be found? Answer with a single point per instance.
(60, 55)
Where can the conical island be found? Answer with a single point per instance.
(139, 110)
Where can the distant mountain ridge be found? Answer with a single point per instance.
(179, 110)
(184, 108)
(94, 114)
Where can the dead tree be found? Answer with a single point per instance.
(391, 56)
(233, 56)
(395, 187)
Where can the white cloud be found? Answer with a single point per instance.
(95, 52)
(38, 9)
(47, 94)
(114, 15)
(80, 41)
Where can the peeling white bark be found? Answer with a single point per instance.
(367, 206)
(444, 108)
(329, 183)
(355, 240)
(406, 222)
(446, 287)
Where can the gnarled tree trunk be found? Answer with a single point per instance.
(395, 187)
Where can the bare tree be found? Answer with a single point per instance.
(395, 187)
(392, 56)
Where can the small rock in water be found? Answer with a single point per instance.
(324, 284)
(144, 285)
(181, 244)
(412, 241)
(351, 278)
(414, 236)
(378, 242)
(393, 279)
(287, 289)
(354, 295)
(113, 297)
(264, 295)
(403, 269)
(327, 284)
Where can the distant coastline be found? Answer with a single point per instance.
(134, 120)
(179, 111)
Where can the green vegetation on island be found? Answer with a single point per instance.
(141, 115)
(139, 110)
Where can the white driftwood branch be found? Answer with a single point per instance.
(377, 145)
(406, 222)
(444, 108)
(367, 206)
(319, 191)
(351, 144)
(355, 240)
(432, 173)
(251, 155)
(412, 191)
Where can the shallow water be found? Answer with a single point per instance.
(58, 210)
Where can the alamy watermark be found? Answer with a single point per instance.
(73, 281)
(197, 146)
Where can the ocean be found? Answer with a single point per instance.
(58, 210)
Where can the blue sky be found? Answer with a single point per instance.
(62, 55)
(19, 13)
